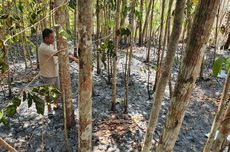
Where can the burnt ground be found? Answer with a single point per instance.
(115, 131)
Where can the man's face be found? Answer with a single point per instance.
(50, 39)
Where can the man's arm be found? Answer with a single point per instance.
(71, 57)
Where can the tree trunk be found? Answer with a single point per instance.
(150, 35)
(140, 24)
(127, 74)
(226, 46)
(160, 46)
(199, 35)
(147, 17)
(85, 75)
(219, 115)
(114, 68)
(98, 36)
(124, 5)
(224, 131)
(179, 14)
(64, 71)
(75, 29)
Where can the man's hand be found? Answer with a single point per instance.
(72, 58)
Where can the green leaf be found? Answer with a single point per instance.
(3, 67)
(11, 110)
(40, 104)
(217, 66)
(24, 96)
(1, 114)
(227, 64)
(4, 121)
(16, 101)
(30, 99)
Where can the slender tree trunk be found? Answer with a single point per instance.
(131, 27)
(114, 69)
(216, 34)
(224, 131)
(124, 6)
(64, 70)
(151, 2)
(160, 46)
(98, 36)
(85, 75)
(179, 14)
(219, 115)
(75, 29)
(199, 35)
(140, 24)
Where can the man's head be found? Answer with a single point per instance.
(48, 36)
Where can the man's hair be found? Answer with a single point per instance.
(46, 32)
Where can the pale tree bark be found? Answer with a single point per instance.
(85, 75)
(194, 52)
(127, 73)
(114, 68)
(64, 71)
(219, 115)
(164, 76)
(224, 131)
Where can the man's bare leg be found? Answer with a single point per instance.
(55, 103)
(48, 104)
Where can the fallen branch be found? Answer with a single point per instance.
(5, 145)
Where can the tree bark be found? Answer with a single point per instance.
(114, 68)
(140, 24)
(147, 17)
(98, 36)
(226, 46)
(224, 131)
(219, 115)
(160, 46)
(85, 75)
(199, 35)
(179, 13)
(64, 71)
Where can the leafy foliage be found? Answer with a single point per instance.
(36, 95)
(219, 62)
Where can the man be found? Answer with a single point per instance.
(48, 62)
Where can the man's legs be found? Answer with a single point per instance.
(55, 82)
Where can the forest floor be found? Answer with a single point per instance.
(115, 132)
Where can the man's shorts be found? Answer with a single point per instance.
(54, 81)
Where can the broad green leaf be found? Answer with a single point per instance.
(217, 66)
(24, 96)
(227, 64)
(11, 110)
(4, 121)
(40, 104)
(30, 99)
(1, 114)
(16, 101)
